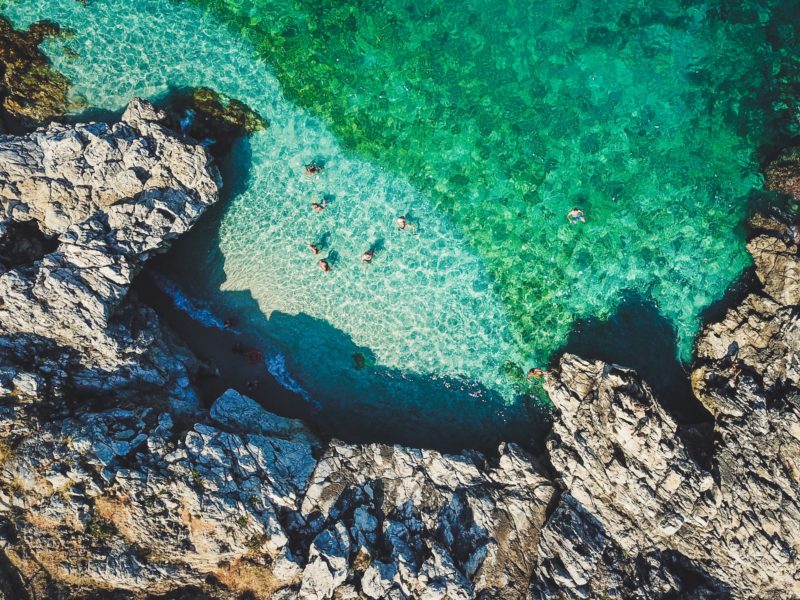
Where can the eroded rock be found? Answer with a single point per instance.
(110, 197)
(783, 174)
(107, 484)
(633, 485)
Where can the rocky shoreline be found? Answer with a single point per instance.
(114, 483)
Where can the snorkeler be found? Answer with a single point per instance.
(313, 248)
(576, 216)
(187, 120)
(317, 206)
(537, 374)
(313, 169)
(367, 256)
(324, 265)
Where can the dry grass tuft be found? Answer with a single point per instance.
(245, 576)
(6, 452)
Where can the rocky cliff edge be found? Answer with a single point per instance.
(113, 480)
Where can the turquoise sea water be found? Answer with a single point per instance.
(484, 123)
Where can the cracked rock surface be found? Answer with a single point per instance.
(113, 481)
(632, 484)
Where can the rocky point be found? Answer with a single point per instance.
(115, 482)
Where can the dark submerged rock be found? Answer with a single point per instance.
(31, 92)
(213, 117)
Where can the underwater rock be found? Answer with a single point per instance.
(783, 175)
(31, 92)
(210, 116)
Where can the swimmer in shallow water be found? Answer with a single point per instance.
(324, 265)
(317, 206)
(367, 256)
(313, 169)
(576, 216)
(402, 223)
(314, 249)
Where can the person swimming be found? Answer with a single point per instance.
(313, 169)
(324, 265)
(367, 256)
(317, 206)
(187, 120)
(314, 249)
(402, 223)
(576, 216)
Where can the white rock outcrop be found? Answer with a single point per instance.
(112, 479)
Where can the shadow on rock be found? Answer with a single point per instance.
(640, 338)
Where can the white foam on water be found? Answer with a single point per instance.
(276, 365)
(197, 309)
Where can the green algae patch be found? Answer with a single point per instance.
(31, 92)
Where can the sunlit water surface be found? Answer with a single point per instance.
(484, 122)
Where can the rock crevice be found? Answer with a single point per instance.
(112, 479)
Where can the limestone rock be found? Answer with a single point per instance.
(152, 510)
(783, 174)
(775, 252)
(633, 484)
(426, 524)
(109, 196)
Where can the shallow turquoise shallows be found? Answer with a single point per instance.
(484, 123)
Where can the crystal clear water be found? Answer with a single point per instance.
(484, 122)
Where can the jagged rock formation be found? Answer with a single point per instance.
(119, 499)
(627, 469)
(110, 479)
(108, 198)
(783, 175)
